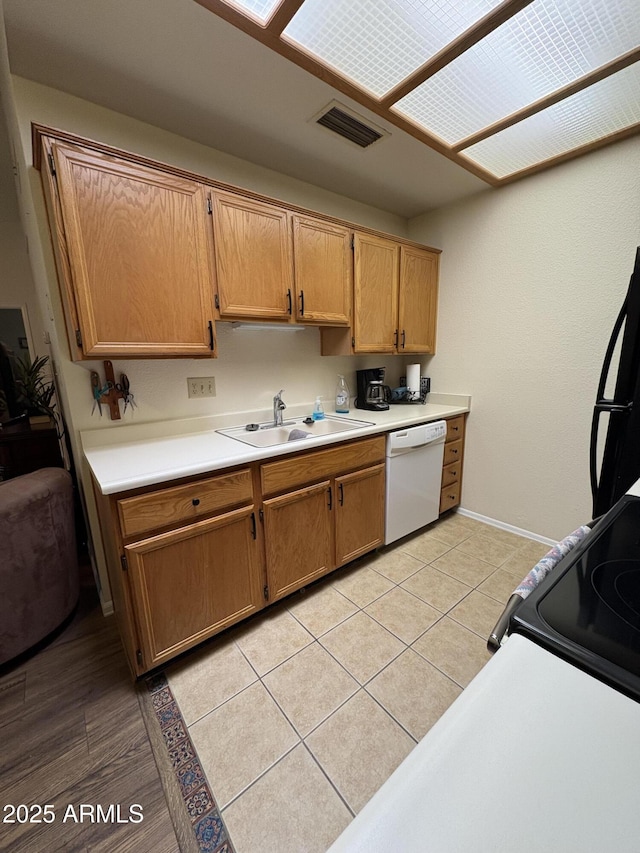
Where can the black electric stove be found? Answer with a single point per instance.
(587, 610)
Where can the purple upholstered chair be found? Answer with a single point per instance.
(39, 582)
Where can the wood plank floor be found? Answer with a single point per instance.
(72, 733)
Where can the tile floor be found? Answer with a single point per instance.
(301, 714)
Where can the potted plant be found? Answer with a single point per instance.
(35, 391)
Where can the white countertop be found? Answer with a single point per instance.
(134, 455)
(534, 755)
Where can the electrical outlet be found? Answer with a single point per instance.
(201, 386)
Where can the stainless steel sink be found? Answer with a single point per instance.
(267, 435)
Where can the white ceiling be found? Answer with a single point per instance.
(173, 64)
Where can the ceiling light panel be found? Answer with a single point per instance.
(259, 9)
(546, 46)
(377, 45)
(607, 107)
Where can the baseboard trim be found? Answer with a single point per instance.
(504, 526)
(107, 607)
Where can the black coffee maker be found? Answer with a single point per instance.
(371, 392)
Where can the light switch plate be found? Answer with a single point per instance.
(201, 386)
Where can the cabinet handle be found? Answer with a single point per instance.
(330, 497)
(302, 303)
(395, 339)
(403, 338)
(196, 501)
(289, 303)
(454, 450)
(254, 534)
(212, 342)
(341, 498)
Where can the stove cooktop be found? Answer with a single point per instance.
(587, 610)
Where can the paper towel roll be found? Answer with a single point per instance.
(413, 380)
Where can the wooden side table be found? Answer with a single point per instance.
(23, 450)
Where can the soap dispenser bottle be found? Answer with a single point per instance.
(342, 396)
(318, 410)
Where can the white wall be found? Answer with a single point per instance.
(251, 367)
(532, 277)
(16, 283)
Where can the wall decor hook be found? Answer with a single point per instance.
(110, 392)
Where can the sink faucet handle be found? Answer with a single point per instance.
(278, 407)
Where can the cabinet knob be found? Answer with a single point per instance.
(196, 501)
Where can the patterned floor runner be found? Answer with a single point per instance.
(208, 828)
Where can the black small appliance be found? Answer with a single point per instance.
(371, 392)
(621, 458)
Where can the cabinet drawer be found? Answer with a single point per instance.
(455, 428)
(452, 452)
(451, 473)
(184, 503)
(320, 465)
(450, 497)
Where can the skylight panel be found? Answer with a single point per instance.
(259, 9)
(546, 46)
(606, 108)
(377, 45)
(473, 79)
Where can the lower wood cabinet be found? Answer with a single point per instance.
(452, 464)
(188, 560)
(359, 516)
(192, 582)
(313, 530)
(298, 532)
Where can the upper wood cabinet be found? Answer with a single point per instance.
(253, 257)
(134, 251)
(395, 300)
(323, 261)
(418, 300)
(375, 293)
(149, 255)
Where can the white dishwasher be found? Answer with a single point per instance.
(414, 474)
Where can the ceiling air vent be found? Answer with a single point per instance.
(344, 123)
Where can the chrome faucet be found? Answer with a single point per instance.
(278, 408)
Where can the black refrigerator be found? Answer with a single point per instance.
(621, 457)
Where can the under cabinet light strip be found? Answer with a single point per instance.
(267, 327)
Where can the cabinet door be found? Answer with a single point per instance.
(418, 300)
(298, 538)
(375, 294)
(139, 253)
(193, 582)
(323, 265)
(359, 513)
(254, 258)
